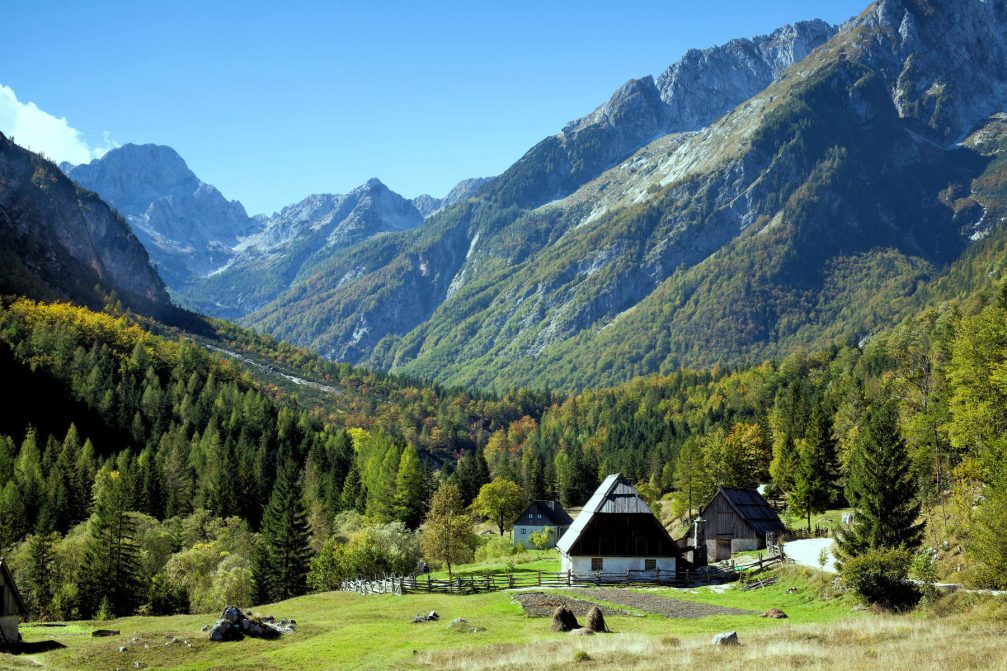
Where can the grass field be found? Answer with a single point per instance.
(349, 631)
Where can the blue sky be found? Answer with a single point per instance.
(272, 102)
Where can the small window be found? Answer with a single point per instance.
(523, 531)
(597, 564)
(649, 564)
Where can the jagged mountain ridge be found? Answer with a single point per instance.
(429, 205)
(810, 213)
(188, 227)
(353, 323)
(59, 241)
(296, 239)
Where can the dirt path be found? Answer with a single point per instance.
(659, 605)
(540, 604)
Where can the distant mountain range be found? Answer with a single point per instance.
(791, 190)
(216, 258)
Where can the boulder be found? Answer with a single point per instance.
(774, 614)
(223, 630)
(726, 638)
(232, 615)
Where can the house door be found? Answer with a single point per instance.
(723, 549)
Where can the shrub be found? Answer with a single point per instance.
(496, 547)
(581, 656)
(542, 539)
(880, 577)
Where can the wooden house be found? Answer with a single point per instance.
(616, 533)
(737, 520)
(537, 517)
(11, 608)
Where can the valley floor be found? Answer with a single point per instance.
(348, 631)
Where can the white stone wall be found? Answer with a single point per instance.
(744, 544)
(582, 565)
(8, 630)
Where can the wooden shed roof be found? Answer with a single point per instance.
(8, 584)
(614, 496)
(752, 507)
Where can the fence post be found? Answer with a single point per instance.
(569, 577)
(540, 578)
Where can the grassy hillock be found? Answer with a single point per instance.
(348, 631)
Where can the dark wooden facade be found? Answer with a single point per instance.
(737, 520)
(11, 608)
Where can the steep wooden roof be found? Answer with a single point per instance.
(751, 507)
(10, 598)
(617, 522)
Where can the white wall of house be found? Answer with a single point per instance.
(8, 630)
(522, 533)
(583, 565)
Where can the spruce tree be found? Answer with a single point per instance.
(816, 472)
(880, 488)
(112, 559)
(283, 552)
(409, 489)
(40, 565)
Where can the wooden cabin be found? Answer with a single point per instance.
(539, 516)
(11, 608)
(617, 533)
(737, 520)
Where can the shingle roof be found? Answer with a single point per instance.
(8, 579)
(753, 508)
(551, 510)
(614, 495)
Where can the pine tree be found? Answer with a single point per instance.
(40, 565)
(409, 489)
(816, 466)
(283, 552)
(112, 560)
(353, 496)
(880, 488)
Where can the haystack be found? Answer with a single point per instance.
(595, 620)
(563, 619)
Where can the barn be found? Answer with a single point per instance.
(538, 516)
(11, 608)
(617, 533)
(738, 520)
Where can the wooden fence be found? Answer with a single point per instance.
(382, 586)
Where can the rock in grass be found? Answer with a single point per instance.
(100, 633)
(563, 619)
(726, 638)
(596, 620)
(584, 631)
(774, 614)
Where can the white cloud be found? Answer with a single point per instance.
(40, 131)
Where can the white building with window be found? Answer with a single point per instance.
(539, 516)
(616, 534)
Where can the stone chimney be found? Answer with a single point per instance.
(699, 542)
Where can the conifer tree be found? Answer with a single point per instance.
(283, 552)
(40, 565)
(112, 560)
(409, 489)
(353, 496)
(880, 488)
(816, 466)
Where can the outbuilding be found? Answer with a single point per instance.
(617, 534)
(539, 516)
(11, 608)
(737, 520)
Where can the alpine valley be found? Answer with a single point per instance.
(773, 276)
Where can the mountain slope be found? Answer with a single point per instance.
(392, 286)
(295, 240)
(187, 226)
(58, 241)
